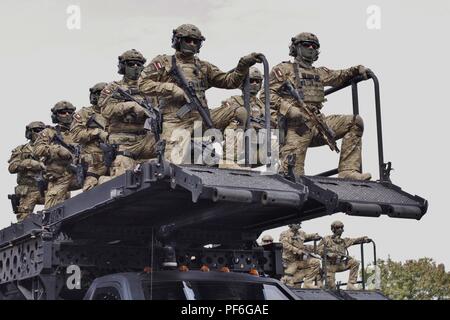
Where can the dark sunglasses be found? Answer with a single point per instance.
(192, 40)
(255, 81)
(62, 112)
(37, 130)
(308, 44)
(134, 64)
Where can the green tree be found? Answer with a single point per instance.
(419, 279)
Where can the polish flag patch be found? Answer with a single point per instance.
(157, 65)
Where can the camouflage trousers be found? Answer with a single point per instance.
(225, 117)
(95, 169)
(351, 264)
(59, 189)
(29, 198)
(346, 127)
(140, 148)
(178, 135)
(229, 120)
(296, 271)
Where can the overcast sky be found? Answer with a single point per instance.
(44, 62)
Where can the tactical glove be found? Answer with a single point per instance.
(178, 94)
(62, 153)
(33, 165)
(364, 71)
(103, 136)
(249, 60)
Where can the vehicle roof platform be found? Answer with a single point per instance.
(212, 201)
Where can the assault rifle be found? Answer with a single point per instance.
(326, 133)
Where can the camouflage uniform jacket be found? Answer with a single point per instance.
(257, 108)
(23, 163)
(122, 116)
(338, 246)
(48, 151)
(157, 81)
(85, 129)
(293, 244)
(312, 83)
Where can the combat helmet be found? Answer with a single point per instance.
(95, 93)
(98, 87)
(187, 31)
(33, 127)
(295, 226)
(336, 224)
(254, 73)
(255, 87)
(60, 106)
(267, 239)
(130, 55)
(302, 37)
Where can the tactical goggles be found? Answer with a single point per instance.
(64, 112)
(191, 40)
(254, 80)
(134, 63)
(310, 44)
(36, 130)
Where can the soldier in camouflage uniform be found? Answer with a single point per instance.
(299, 261)
(27, 168)
(126, 118)
(232, 115)
(157, 81)
(267, 240)
(337, 256)
(310, 82)
(56, 157)
(89, 130)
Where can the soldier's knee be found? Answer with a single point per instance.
(241, 115)
(315, 262)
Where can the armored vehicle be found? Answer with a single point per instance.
(163, 216)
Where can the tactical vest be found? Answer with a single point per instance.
(94, 120)
(26, 177)
(128, 124)
(255, 107)
(197, 77)
(58, 164)
(309, 84)
(337, 246)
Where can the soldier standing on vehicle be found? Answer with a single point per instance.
(89, 130)
(338, 260)
(163, 79)
(297, 117)
(54, 147)
(299, 261)
(126, 119)
(28, 169)
(232, 115)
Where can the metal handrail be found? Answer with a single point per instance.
(384, 168)
(363, 267)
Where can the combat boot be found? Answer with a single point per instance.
(354, 175)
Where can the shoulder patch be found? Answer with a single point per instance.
(278, 73)
(157, 65)
(77, 117)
